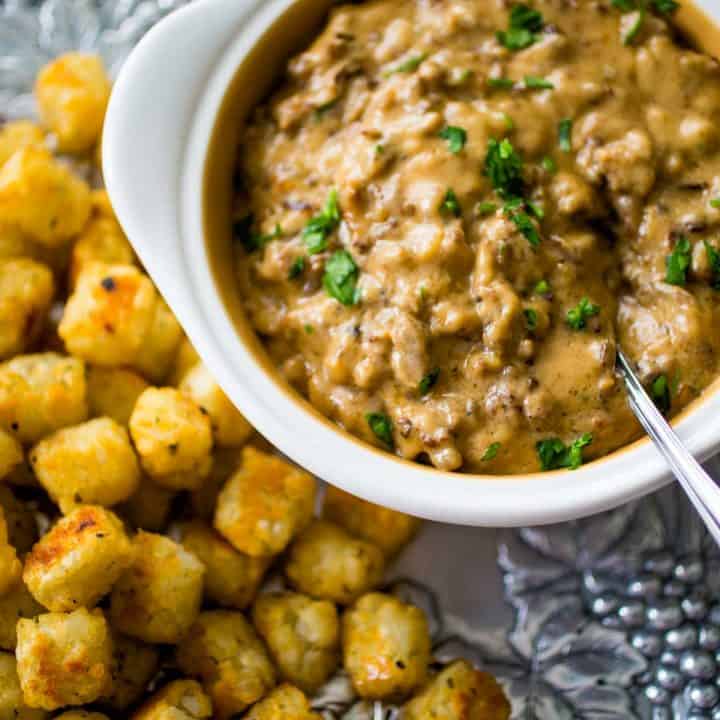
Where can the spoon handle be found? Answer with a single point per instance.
(699, 486)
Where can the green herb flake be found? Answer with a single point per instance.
(713, 256)
(379, 149)
(633, 28)
(531, 319)
(322, 110)
(509, 122)
(535, 209)
(665, 7)
(407, 66)
(624, 5)
(715, 203)
(555, 455)
(542, 287)
(678, 262)
(522, 31)
(504, 168)
(309, 329)
(502, 83)
(549, 165)
(256, 241)
(578, 316)
(429, 381)
(297, 268)
(538, 83)
(456, 138)
(486, 208)
(320, 227)
(382, 428)
(491, 452)
(660, 393)
(525, 225)
(340, 278)
(565, 135)
(450, 204)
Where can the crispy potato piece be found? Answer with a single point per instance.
(203, 500)
(113, 392)
(64, 659)
(11, 454)
(13, 245)
(302, 634)
(15, 603)
(134, 665)
(179, 700)
(90, 463)
(81, 715)
(173, 438)
(158, 597)
(20, 518)
(78, 560)
(264, 504)
(19, 134)
(26, 292)
(159, 346)
(223, 650)
(42, 198)
(231, 578)
(186, 358)
(12, 705)
(328, 563)
(149, 506)
(285, 702)
(10, 565)
(459, 692)
(72, 93)
(386, 646)
(388, 529)
(108, 314)
(230, 428)
(40, 394)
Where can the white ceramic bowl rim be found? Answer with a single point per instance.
(155, 186)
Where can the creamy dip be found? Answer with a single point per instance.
(452, 211)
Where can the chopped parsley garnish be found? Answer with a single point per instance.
(309, 329)
(633, 29)
(450, 204)
(640, 8)
(409, 65)
(251, 240)
(660, 393)
(678, 262)
(319, 228)
(491, 452)
(565, 135)
(456, 138)
(379, 149)
(504, 167)
(535, 209)
(382, 428)
(530, 319)
(713, 256)
(549, 165)
(578, 316)
(486, 208)
(321, 110)
(542, 288)
(554, 454)
(665, 7)
(522, 31)
(715, 203)
(501, 82)
(340, 278)
(538, 83)
(297, 268)
(525, 225)
(429, 381)
(509, 122)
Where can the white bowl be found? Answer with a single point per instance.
(168, 125)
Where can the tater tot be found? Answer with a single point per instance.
(264, 504)
(15, 603)
(42, 198)
(159, 345)
(90, 463)
(231, 578)
(113, 392)
(108, 314)
(78, 560)
(327, 562)
(72, 93)
(285, 702)
(302, 634)
(11, 454)
(134, 665)
(20, 518)
(158, 597)
(40, 394)
(26, 292)
(178, 700)
(386, 646)
(10, 565)
(388, 529)
(230, 428)
(16, 135)
(173, 438)
(149, 506)
(64, 659)
(223, 650)
(459, 692)
(186, 358)
(12, 705)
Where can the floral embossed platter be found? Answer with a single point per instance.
(615, 616)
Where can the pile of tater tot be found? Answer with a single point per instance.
(140, 513)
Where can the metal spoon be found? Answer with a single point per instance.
(699, 486)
